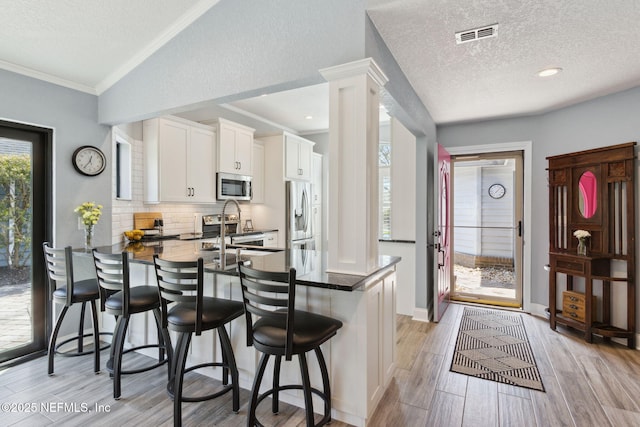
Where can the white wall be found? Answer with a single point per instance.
(467, 210)
(403, 182)
(497, 242)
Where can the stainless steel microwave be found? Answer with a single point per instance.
(232, 186)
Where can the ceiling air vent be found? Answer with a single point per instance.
(477, 34)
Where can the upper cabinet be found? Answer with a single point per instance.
(297, 157)
(235, 148)
(179, 159)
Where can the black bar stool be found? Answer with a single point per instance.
(119, 298)
(59, 266)
(182, 283)
(280, 331)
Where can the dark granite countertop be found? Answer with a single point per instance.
(310, 266)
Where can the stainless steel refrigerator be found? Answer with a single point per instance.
(299, 216)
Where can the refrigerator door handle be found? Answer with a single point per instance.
(305, 210)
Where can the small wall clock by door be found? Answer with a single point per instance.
(497, 191)
(89, 160)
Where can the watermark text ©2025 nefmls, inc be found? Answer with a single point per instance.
(54, 406)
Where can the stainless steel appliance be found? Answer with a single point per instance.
(232, 186)
(253, 239)
(299, 233)
(212, 224)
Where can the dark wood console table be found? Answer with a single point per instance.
(591, 267)
(593, 191)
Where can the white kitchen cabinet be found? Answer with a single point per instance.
(271, 239)
(298, 160)
(257, 183)
(361, 358)
(235, 148)
(316, 211)
(178, 160)
(316, 179)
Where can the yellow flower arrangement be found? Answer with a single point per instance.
(90, 213)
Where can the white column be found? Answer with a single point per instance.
(353, 166)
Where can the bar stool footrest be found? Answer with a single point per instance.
(219, 393)
(81, 353)
(325, 420)
(109, 366)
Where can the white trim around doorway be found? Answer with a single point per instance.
(526, 148)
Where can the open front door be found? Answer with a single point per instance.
(442, 234)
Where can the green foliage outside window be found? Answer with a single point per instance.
(15, 208)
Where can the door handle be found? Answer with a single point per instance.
(440, 252)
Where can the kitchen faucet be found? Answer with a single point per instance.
(222, 226)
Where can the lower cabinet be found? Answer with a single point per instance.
(271, 239)
(361, 358)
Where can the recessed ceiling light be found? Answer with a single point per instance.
(547, 72)
(308, 117)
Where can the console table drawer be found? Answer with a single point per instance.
(570, 265)
(573, 306)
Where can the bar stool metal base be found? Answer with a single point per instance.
(325, 395)
(179, 370)
(55, 346)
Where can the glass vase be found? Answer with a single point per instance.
(88, 237)
(582, 247)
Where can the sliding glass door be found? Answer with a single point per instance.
(24, 208)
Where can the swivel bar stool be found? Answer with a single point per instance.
(280, 331)
(182, 283)
(59, 266)
(119, 298)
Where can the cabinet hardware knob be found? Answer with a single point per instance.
(573, 314)
(575, 307)
(573, 299)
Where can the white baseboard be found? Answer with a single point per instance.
(539, 310)
(421, 314)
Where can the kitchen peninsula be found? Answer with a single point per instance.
(360, 359)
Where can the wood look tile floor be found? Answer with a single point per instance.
(586, 385)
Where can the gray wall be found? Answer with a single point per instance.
(74, 117)
(604, 121)
(240, 49)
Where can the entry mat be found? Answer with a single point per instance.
(493, 345)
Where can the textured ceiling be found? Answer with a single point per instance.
(596, 42)
(88, 44)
